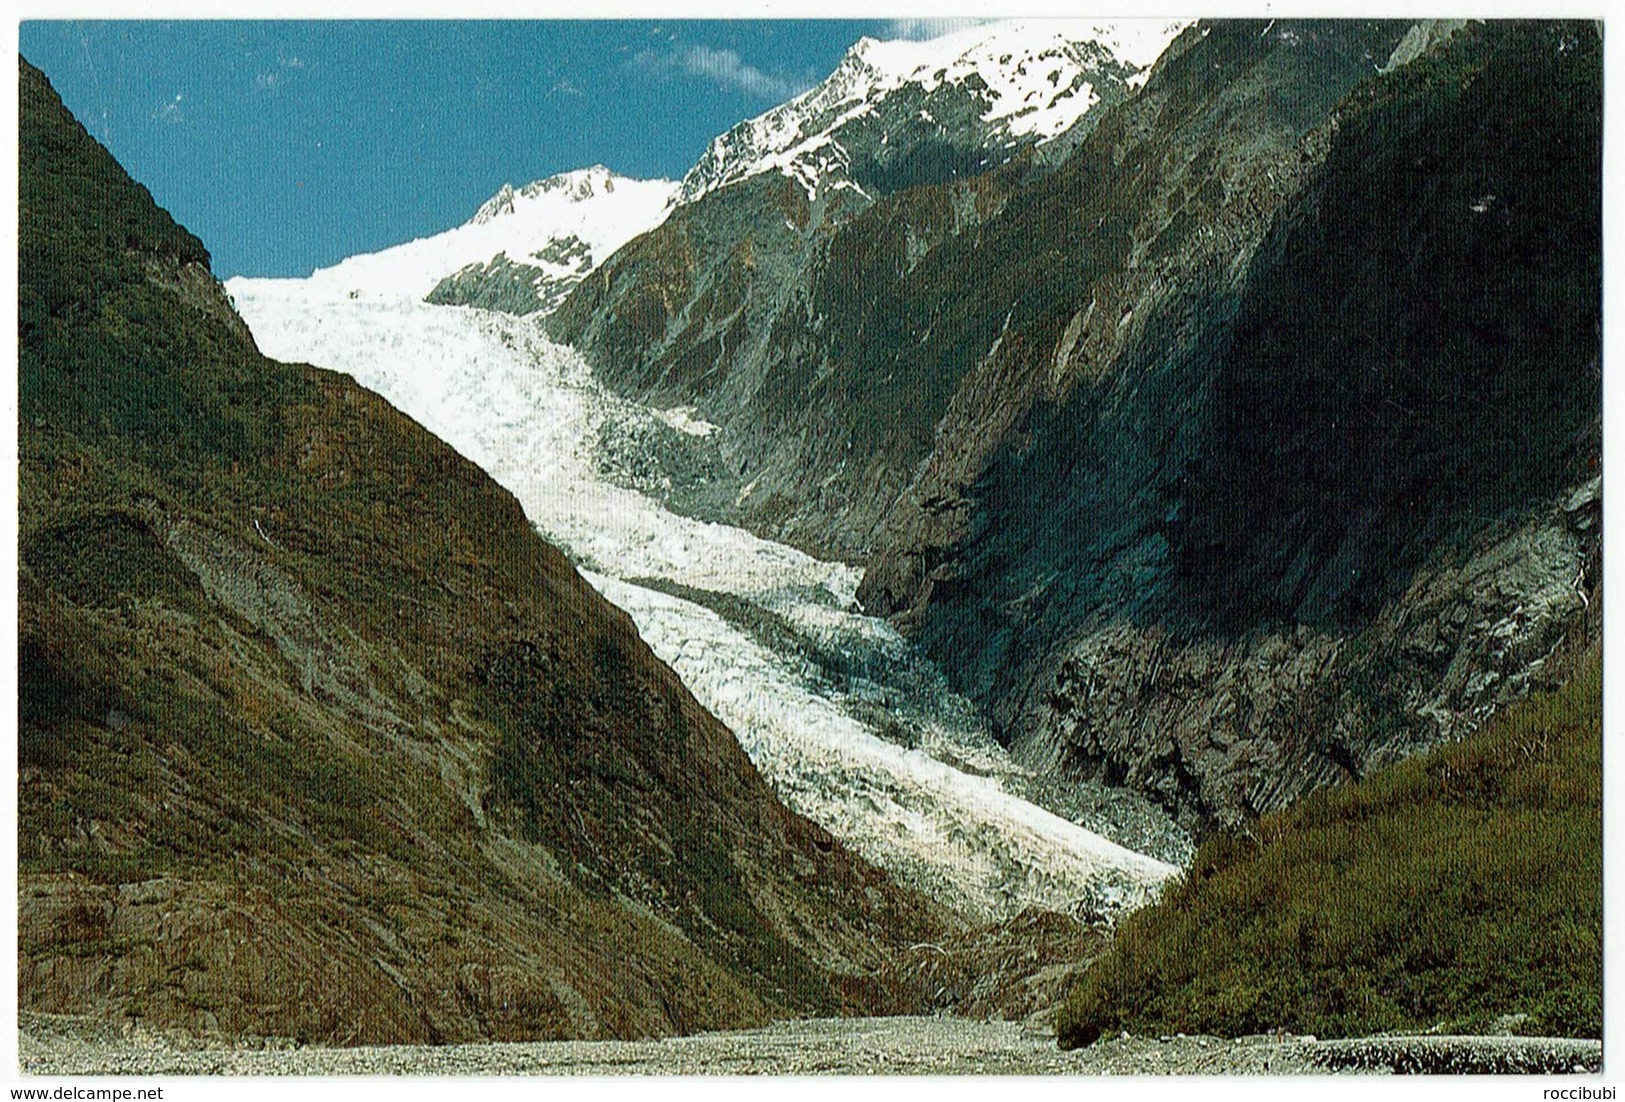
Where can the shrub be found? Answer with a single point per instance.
(1454, 888)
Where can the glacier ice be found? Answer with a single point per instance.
(938, 814)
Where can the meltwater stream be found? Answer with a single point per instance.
(765, 636)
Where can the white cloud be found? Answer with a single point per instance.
(919, 30)
(724, 68)
(729, 70)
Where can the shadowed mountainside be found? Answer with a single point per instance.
(1348, 487)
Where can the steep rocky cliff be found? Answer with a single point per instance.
(317, 738)
(849, 339)
(1339, 474)
(1281, 385)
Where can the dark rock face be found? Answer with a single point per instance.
(1288, 364)
(317, 738)
(515, 287)
(1110, 268)
(1341, 459)
(678, 316)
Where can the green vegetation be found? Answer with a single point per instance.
(104, 351)
(1452, 889)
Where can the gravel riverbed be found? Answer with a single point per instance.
(851, 1046)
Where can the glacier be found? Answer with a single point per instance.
(942, 813)
(847, 722)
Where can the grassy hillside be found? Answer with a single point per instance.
(317, 737)
(1453, 889)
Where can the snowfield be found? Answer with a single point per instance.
(932, 803)
(591, 208)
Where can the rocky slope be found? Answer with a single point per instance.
(1337, 467)
(1280, 380)
(829, 335)
(723, 306)
(317, 738)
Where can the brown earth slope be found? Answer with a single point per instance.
(317, 737)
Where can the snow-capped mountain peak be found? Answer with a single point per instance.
(577, 186)
(499, 204)
(992, 86)
(893, 114)
(550, 232)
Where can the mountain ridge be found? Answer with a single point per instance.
(892, 115)
(978, 78)
(521, 251)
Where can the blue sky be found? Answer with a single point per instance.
(290, 145)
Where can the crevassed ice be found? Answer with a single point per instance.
(528, 411)
(960, 838)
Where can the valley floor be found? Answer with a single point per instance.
(849, 1046)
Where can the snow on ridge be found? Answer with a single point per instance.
(1033, 70)
(577, 185)
(982, 48)
(594, 206)
(1032, 67)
